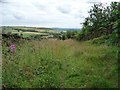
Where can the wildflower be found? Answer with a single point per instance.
(12, 48)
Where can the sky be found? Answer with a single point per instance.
(46, 13)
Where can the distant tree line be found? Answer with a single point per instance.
(25, 30)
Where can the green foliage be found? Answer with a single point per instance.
(99, 41)
(108, 40)
(71, 34)
(102, 21)
(36, 37)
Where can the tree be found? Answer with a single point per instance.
(102, 20)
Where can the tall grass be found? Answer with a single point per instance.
(56, 63)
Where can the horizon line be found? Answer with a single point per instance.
(36, 26)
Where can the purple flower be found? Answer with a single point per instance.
(12, 48)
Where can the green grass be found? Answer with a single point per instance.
(57, 63)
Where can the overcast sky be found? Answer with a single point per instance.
(46, 13)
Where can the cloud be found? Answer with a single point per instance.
(49, 13)
(93, 1)
(18, 17)
(3, 2)
(40, 6)
(79, 15)
(65, 9)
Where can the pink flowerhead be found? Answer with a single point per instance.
(12, 48)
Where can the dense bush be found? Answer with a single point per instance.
(71, 34)
(102, 20)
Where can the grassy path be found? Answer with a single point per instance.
(57, 63)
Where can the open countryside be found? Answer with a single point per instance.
(41, 57)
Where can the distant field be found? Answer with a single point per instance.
(57, 63)
(30, 31)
